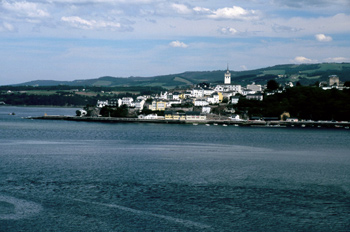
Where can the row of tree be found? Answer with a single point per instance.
(52, 100)
(302, 102)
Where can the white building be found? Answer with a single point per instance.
(129, 101)
(150, 116)
(254, 87)
(213, 99)
(200, 102)
(139, 104)
(82, 112)
(206, 109)
(195, 116)
(163, 95)
(208, 91)
(235, 117)
(248, 91)
(197, 92)
(228, 88)
(176, 96)
(101, 104)
(173, 102)
(258, 97)
(234, 100)
(141, 98)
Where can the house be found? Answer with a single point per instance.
(214, 99)
(139, 104)
(248, 92)
(141, 98)
(257, 96)
(150, 116)
(81, 113)
(206, 109)
(193, 115)
(200, 102)
(173, 102)
(186, 95)
(113, 102)
(197, 92)
(158, 105)
(129, 101)
(235, 99)
(235, 117)
(101, 104)
(171, 115)
(176, 96)
(228, 95)
(254, 87)
(163, 95)
(208, 91)
(333, 80)
(228, 88)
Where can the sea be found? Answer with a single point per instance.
(92, 176)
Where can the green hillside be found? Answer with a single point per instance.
(306, 74)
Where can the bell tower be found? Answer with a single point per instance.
(227, 77)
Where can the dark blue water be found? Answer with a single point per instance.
(79, 176)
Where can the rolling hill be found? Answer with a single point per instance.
(304, 73)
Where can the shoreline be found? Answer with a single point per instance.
(251, 123)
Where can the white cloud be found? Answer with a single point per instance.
(301, 59)
(234, 12)
(181, 9)
(323, 38)
(228, 31)
(78, 22)
(202, 10)
(7, 27)
(281, 28)
(26, 9)
(178, 44)
(337, 59)
(312, 3)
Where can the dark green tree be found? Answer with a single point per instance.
(272, 85)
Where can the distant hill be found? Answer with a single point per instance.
(304, 73)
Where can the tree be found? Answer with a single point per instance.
(272, 85)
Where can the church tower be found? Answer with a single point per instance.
(227, 77)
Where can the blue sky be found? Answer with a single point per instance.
(84, 39)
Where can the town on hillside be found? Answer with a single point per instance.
(202, 102)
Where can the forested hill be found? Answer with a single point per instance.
(305, 74)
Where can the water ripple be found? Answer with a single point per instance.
(186, 223)
(12, 208)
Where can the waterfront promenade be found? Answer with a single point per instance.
(253, 123)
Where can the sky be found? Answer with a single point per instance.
(68, 40)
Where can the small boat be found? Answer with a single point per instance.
(207, 124)
(215, 124)
(195, 124)
(13, 113)
(224, 125)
